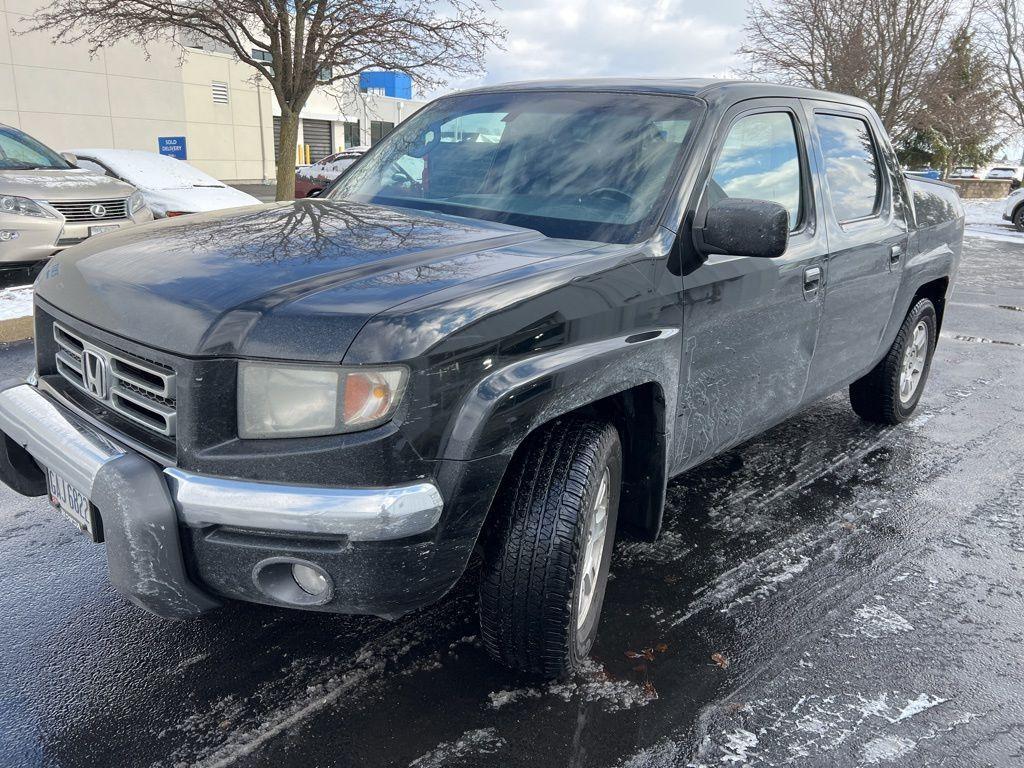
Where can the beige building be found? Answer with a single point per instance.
(120, 99)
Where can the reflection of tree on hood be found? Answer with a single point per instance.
(308, 231)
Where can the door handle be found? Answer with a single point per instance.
(895, 254)
(812, 279)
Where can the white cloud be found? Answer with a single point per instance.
(588, 38)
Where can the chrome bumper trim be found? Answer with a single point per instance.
(361, 514)
(69, 447)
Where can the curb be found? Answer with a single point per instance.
(16, 329)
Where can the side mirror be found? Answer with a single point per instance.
(70, 157)
(315, 193)
(742, 227)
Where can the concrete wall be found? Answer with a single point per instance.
(122, 99)
(990, 189)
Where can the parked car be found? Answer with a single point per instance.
(1013, 209)
(1012, 172)
(46, 204)
(927, 173)
(331, 404)
(311, 180)
(171, 187)
(967, 172)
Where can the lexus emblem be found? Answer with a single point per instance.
(98, 210)
(94, 368)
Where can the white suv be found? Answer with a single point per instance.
(47, 204)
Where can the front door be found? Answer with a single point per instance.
(867, 237)
(749, 324)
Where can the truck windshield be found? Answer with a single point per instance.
(20, 152)
(583, 165)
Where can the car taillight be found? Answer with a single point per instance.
(177, 213)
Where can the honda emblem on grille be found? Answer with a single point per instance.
(98, 210)
(94, 370)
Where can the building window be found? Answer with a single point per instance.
(220, 92)
(353, 136)
(325, 74)
(379, 129)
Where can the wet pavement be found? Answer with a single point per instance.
(830, 593)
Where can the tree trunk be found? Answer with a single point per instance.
(286, 155)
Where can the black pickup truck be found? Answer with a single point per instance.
(502, 330)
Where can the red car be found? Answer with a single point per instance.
(310, 180)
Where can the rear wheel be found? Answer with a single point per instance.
(891, 391)
(546, 567)
(1018, 218)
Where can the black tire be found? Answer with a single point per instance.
(529, 596)
(1018, 218)
(876, 397)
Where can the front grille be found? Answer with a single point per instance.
(139, 390)
(92, 210)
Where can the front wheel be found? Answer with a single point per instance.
(1018, 218)
(891, 391)
(546, 567)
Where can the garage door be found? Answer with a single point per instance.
(317, 133)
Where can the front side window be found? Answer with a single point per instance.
(20, 152)
(760, 160)
(851, 166)
(582, 165)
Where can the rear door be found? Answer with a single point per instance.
(867, 239)
(749, 324)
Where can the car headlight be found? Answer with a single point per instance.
(136, 202)
(22, 206)
(285, 400)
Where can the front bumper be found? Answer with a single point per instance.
(175, 539)
(38, 239)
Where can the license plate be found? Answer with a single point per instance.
(71, 501)
(101, 228)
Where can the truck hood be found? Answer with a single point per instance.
(60, 185)
(288, 281)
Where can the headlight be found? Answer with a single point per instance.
(136, 202)
(283, 400)
(22, 206)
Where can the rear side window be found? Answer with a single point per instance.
(851, 166)
(760, 160)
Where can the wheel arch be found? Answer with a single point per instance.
(630, 381)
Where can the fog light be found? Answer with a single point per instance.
(310, 580)
(7, 235)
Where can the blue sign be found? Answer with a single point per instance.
(172, 146)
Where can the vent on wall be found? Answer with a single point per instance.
(220, 92)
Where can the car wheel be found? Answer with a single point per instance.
(891, 391)
(546, 566)
(1018, 218)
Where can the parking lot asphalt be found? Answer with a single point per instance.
(829, 593)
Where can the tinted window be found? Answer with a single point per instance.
(851, 166)
(760, 160)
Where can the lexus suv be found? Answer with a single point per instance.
(47, 203)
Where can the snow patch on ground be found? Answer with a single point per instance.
(482, 741)
(878, 620)
(593, 683)
(885, 749)
(15, 302)
(985, 220)
(737, 747)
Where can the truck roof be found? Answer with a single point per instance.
(714, 90)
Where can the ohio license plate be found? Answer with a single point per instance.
(101, 228)
(72, 502)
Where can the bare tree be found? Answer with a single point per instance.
(884, 51)
(311, 42)
(1003, 35)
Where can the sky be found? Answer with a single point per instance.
(559, 38)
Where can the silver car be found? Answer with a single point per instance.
(47, 204)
